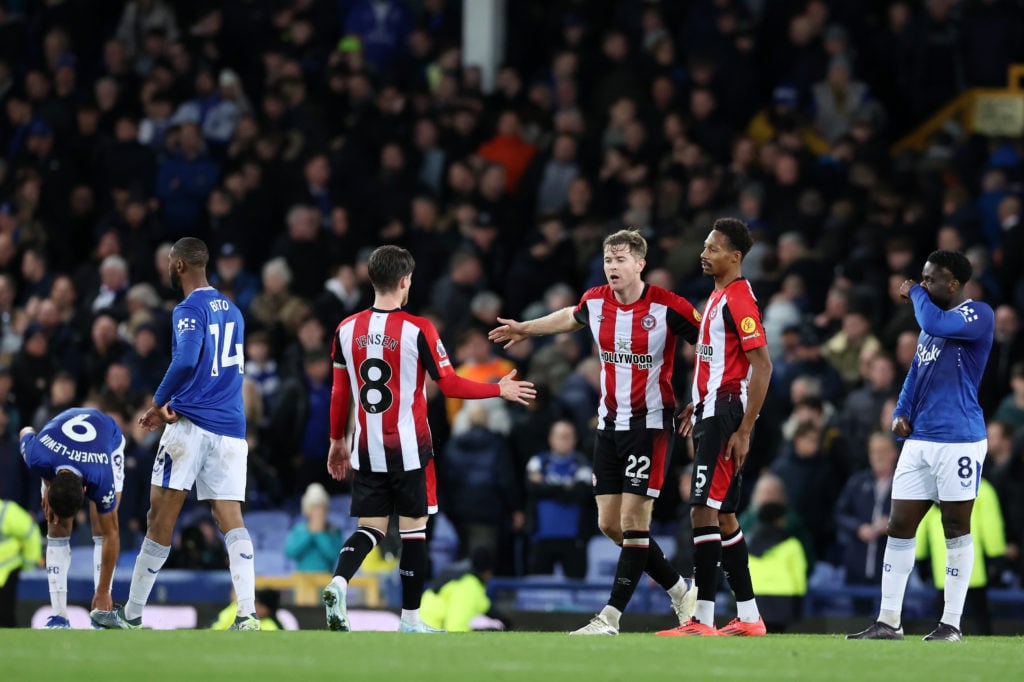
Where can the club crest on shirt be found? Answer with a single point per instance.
(186, 324)
(647, 322)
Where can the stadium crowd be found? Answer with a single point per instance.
(294, 135)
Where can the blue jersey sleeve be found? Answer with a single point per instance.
(903, 404)
(189, 331)
(963, 322)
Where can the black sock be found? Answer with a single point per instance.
(707, 555)
(658, 567)
(632, 560)
(735, 566)
(413, 566)
(355, 550)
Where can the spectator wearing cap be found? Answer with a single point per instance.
(184, 179)
(784, 115)
(313, 542)
(231, 278)
(54, 172)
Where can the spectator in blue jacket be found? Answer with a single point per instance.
(184, 180)
(862, 513)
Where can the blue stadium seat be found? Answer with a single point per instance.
(81, 561)
(444, 543)
(602, 558)
(340, 504)
(273, 563)
(268, 529)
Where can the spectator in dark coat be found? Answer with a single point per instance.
(184, 179)
(862, 513)
(477, 484)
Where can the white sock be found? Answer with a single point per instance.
(897, 564)
(58, 562)
(411, 615)
(959, 562)
(747, 611)
(243, 569)
(612, 615)
(97, 562)
(149, 562)
(679, 589)
(341, 583)
(705, 612)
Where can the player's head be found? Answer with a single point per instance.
(65, 494)
(390, 270)
(188, 255)
(725, 247)
(625, 254)
(945, 275)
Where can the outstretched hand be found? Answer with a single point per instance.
(516, 391)
(510, 332)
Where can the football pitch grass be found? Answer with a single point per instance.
(196, 656)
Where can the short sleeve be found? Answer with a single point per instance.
(581, 313)
(433, 354)
(683, 319)
(104, 494)
(337, 353)
(747, 317)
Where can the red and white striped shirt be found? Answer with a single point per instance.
(731, 327)
(637, 346)
(387, 354)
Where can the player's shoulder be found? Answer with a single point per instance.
(600, 292)
(740, 290)
(423, 324)
(658, 294)
(351, 319)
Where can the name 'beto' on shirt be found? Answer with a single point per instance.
(73, 455)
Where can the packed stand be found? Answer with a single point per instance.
(294, 136)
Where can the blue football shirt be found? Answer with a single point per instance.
(84, 440)
(208, 339)
(940, 394)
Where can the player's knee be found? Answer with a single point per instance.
(954, 527)
(611, 529)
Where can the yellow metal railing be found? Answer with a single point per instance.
(364, 590)
(987, 111)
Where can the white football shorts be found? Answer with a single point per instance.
(189, 454)
(941, 472)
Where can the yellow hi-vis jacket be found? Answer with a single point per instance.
(781, 571)
(20, 541)
(987, 533)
